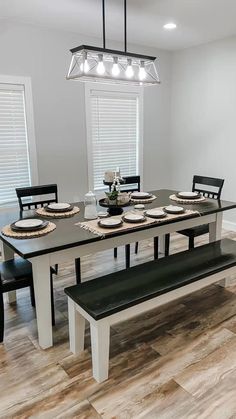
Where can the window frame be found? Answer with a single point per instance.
(126, 90)
(30, 129)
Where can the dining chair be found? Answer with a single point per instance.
(43, 190)
(200, 184)
(16, 274)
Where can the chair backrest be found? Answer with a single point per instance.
(36, 191)
(216, 185)
(131, 180)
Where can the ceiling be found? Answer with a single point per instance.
(199, 21)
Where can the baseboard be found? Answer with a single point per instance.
(229, 225)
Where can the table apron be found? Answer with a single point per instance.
(105, 244)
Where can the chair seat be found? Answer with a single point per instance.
(195, 231)
(15, 270)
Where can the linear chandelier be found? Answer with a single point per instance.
(93, 64)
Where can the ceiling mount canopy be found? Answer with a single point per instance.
(93, 64)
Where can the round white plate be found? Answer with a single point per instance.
(30, 223)
(174, 209)
(134, 217)
(188, 194)
(139, 206)
(155, 213)
(110, 222)
(141, 195)
(59, 206)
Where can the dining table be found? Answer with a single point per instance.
(69, 241)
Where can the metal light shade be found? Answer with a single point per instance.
(103, 65)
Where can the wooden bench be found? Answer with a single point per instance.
(124, 294)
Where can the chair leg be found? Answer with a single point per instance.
(32, 297)
(127, 256)
(156, 247)
(1, 317)
(167, 245)
(56, 269)
(52, 300)
(78, 271)
(191, 242)
(136, 248)
(115, 252)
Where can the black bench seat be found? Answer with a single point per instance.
(115, 292)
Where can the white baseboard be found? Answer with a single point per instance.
(229, 225)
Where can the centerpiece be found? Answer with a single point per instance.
(115, 199)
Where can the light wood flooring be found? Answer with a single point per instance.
(178, 361)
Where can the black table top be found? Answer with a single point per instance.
(68, 235)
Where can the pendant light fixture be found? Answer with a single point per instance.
(93, 64)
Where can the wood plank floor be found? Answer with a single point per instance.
(178, 361)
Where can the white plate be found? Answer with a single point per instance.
(110, 222)
(155, 213)
(140, 195)
(59, 206)
(139, 206)
(188, 194)
(174, 209)
(30, 223)
(134, 217)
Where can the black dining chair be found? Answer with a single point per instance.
(14, 275)
(209, 187)
(37, 191)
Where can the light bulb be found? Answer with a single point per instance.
(100, 66)
(115, 68)
(142, 71)
(129, 70)
(84, 66)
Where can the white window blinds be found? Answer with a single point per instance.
(14, 157)
(114, 134)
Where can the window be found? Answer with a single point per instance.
(114, 128)
(17, 150)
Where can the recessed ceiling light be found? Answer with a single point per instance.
(170, 26)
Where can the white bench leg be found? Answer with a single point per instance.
(100, 339)
(76, 328)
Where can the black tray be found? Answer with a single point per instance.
(70, 208)
(18, 229)
(113, 209)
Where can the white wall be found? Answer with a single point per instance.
(59, 107)
(203, 116)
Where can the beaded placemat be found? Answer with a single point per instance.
(143, 201)
(93, 226)
(7, 231)
(186, 201)
(44, 213)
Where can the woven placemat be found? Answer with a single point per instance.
(143, 201)
(44, 213)
(7, 231)
(93, 226)
(186, 201)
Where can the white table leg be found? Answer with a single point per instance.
(100, 339)
(162, 244)
(76, 328)
(215, 228)
(41, 278)
(8, 254)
